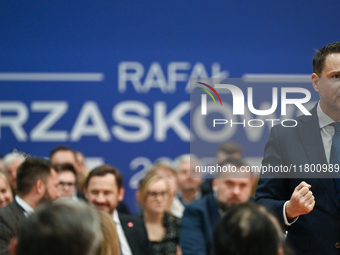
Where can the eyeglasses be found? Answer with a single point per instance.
(68, 184)
(154, 195)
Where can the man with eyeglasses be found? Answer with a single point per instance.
(68, 182)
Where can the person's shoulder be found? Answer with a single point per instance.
(10, 209)
(295, 123)
(201, 204)
(172, 218)
(127, 218)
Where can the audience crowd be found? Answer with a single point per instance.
(58, 206)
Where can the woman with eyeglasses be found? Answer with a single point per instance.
(162, 227)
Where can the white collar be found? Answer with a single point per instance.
(115, 217)
(324, 119)
(28, 210)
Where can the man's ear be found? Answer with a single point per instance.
(214, 185)
(315, 82)
(40, 187)
(121, 193)
(12, 248)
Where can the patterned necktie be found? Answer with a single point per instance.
(335, 153)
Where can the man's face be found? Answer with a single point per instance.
(67, 183)
(185, 182)
(11, 173)
(222, 156)
(231, 191)
(103, 192)
(328, 86)
(52, 187)
(64, 157)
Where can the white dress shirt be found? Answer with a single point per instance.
(124, 245)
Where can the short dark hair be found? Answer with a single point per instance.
(230, 148)
(29, 172)
(62, 148)
(247, 229)
(320, 56)
(63, 227)
(233, 161)
(104, 170)
(65, 168)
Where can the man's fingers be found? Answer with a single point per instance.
(308, 195)
(302, 185)
(302, 192)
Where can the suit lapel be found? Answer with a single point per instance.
(128, 231)
(311, 140)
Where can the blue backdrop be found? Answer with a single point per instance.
(110, 78)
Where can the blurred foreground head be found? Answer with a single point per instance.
(63, 227)
(248, 229)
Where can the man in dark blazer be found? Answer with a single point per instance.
(37, 182)
(308, 206)
(104, 190)
(200, 217)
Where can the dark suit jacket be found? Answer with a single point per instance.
(135, 234)
(198, 222)
(10, 218)
(319, 231)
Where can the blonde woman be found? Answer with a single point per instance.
(110, 242)
(173, 205)
(162, 227)
(6, 196)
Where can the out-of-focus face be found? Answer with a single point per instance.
(103, 192)
(231, 191)
(156, 198)
(328, 86)
(67, 183)
(222, 156)
(171, 178)
(5, 194)
(52, 187)
(81, 163)
(11, 173)
(185, 181)
(64, 157)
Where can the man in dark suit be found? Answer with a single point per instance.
(309, 205)
(37, 182)
(72, 227)
(104, 190)
(200, 217)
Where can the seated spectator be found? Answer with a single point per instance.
(68, 182)
(174, 205)
(110, 242)
(10, 164)
(189, 181)
(104, 190)
(200, 217)
(64, 227)
(6, 196)
(248, 229)
(162, 227)
(224, 151)
(37, 182)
